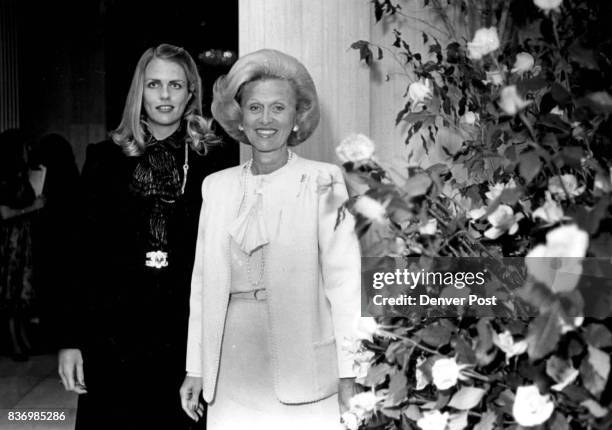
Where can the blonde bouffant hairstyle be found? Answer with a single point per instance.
(132, 134)
(261, 65)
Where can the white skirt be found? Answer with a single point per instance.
(245, 397)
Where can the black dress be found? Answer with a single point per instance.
(132, 318)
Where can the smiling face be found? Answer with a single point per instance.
(165, 95)
(268, 114)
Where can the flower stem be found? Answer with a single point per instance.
(412, 341)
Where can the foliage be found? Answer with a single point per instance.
(525, 85)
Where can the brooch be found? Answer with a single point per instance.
(156, 259)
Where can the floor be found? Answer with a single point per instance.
(34, 386)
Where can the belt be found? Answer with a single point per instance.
(259, 295)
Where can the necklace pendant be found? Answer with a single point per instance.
(156, 259)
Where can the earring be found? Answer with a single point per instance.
(296, 128)
(240, 127)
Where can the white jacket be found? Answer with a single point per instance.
(312, 276)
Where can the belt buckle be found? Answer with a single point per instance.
(260, 294)
(156, 259)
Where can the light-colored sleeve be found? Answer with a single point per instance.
(194, 334)
(340, 264)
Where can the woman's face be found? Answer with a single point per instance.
(268, 113)
(165, 96)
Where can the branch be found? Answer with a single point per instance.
(442, 14)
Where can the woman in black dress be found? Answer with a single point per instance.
(126, 317)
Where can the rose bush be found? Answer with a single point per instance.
(525, 87)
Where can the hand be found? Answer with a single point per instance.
(347, 388)
(190, 397)
(70, 369)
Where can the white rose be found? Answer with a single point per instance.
(495, 77)
(361, 364)
(548, 5)
(469, 118)
(350, 420)
(420, 91)
(530, 407)
(503, 220)
(524, 63)
(550, 212)
(445, 373)
(477, 213)
(556, 186)
(433, 420)
(510, 101)
(429, 228)
(371, 209)
(485, 41)
(365, 402)
(355, 148)
(366, 328)
(506, 343)
(557, 111)
(558, 263)
(497, 188)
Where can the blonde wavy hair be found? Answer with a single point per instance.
(131, 133)
(261, 65)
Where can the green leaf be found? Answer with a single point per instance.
(394, 413)
(589, 218)
(396, 352)
(465, 353)
(572, 155)
(417, 185)
(558, 422)
(435, 335)
(532, 84)
(506, 400)
(485, 353)
(487, 421)
(378, 11)
(560, 95)
(529, 165)
(544, 333)
(554, 122)
(467, 398)
(582, 55)
(595, 370)
(377, 374)
(600, 102)
(365, 53)
(442, 400)
(600, 362)
(595, 408)
(398, 388)
(598, 335)
(412, 412)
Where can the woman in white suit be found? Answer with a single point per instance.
(276, 283)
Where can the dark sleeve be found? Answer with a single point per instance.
(74, 298)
